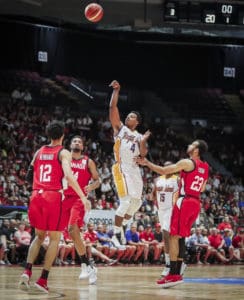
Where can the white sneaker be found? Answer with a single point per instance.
(183, 268)
(93, 275)
(2, 262)
(84, 271)
(165, 271)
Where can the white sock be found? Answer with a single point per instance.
(117, 229)
(167, 259)
(125, 222)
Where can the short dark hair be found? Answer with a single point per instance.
(138, 115)
(76, 137)
(55, 130)
(203, 147)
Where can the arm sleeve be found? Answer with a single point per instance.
(29, 174)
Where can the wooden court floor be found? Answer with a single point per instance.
(129, 282)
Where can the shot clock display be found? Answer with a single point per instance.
(205, 12)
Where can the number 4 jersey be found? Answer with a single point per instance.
(48, 172)
(191, 183)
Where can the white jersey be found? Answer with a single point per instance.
(165, 189)
(127, 146)
(126, 172)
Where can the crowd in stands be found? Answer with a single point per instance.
(22, 132)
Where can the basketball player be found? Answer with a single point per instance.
(129, 144)
(50, 164)
(193, 178)
(85, 171)
(165, 191)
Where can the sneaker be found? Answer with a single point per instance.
(112, 262)
(84, 271)
(25, 279)
(183, 268)
(93, 275)
(170, 280)
(41, 284)
(165, 271)
(2, 262)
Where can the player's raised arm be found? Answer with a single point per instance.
(114, 115)
(143, 143)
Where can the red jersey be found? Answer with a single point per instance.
(147, 236)
(237, 241)
(81, 172)
(191, 182)
(224, 225)
(48, 171)
(91, 235)
(215, 240)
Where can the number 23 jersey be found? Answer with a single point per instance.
(191, 183)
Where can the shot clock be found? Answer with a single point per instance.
(204, 12)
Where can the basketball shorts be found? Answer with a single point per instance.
(45, 210)
(185, 213)
(128, 181)
(73, 211)
(164, 216)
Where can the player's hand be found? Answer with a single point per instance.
(88, 189)
(146, 135)
(141, 161)
(115, 85)
(88, 205)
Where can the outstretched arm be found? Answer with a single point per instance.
(183, 164)
(113, 106)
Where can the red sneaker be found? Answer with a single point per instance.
(41, 284)
(170, 280)
(25, 279)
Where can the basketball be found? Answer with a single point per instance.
(94, 12)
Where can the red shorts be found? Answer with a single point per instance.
(45, 210)
(73, 211)
(183, 217)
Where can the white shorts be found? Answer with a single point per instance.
(165, 218)
(128, 181)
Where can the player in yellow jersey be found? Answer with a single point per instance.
(128, 144)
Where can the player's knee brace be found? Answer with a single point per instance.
(123, 206)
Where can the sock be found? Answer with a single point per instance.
(44, 274)
(84, 260)
(167, 259)
(179, 263)
(173, 267)
(125, 222)
(28, 266)
(117, 229)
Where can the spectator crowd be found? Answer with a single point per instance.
(217, 236)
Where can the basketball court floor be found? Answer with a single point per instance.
(225, 282)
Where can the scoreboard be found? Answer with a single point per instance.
(204, 12)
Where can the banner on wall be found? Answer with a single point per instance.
(100, 216)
